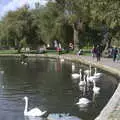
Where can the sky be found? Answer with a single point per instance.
(7, 5)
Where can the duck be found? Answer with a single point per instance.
(96, 89)
(35, 112)
(77, 75)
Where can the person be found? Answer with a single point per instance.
(93, 51)
(118, 56)
(98, 52)
(115, 52)
(59, 48)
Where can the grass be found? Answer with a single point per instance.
(8, 51)
(48, 52)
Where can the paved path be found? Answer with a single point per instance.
(105, 61)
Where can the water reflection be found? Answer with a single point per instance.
(34, 118)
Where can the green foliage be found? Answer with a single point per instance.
(23, 42)
(60, 20)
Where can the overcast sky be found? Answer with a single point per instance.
(6, 5)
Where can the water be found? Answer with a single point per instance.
(49, 86)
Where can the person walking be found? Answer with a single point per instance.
(115, 52)
(98, 52)
(93, 51)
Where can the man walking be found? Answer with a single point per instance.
(115, 52)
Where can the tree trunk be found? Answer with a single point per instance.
(75, 37)
(77, 28)
(76, 40)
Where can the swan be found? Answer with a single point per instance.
(24, 63)
(88, 72)
(96, 89)
(2, 72)
(97, 74)
(83, 102)
(91, 78)
(62, 60)
(77, 75)
(83, 82)
(73, 67)
(33, 112)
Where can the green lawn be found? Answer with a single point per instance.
(48, 52)
(8, 51)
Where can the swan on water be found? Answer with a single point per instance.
(73, 67)
(91, 78)
(1, 71)
(77, 75)
(83, 102)
(62, 60)
(82, 82)
(88, 72)
(96, 89)
(97, 74)
(33, 112)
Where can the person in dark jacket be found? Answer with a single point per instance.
(98, 52)
(115, 52)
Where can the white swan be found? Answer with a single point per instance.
(73, 67)
(83, 102)
(91, 78)
(97, 74)
(76, 75)
(62, 60)
(96, 89)
(83, 82)
(2, 72)
(33, 112)
(88, 72)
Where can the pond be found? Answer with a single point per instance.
(48, 85)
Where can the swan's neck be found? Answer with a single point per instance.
(95, 70)
(80, 75)
(26, 105)
(84, 79)
(90, 70)
(94, 84)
